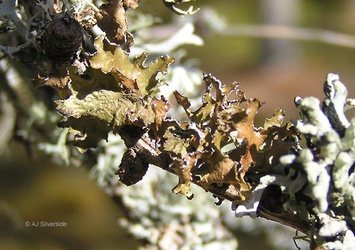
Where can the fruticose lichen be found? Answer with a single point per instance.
(300, 174)
(317, 181)
(171, 222)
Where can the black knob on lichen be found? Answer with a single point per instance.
(62, 38)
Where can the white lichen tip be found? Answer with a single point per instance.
(332, 77)
(335, 102)
(297, 101)
(315, 122)
(332, 228)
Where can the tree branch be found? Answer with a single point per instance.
(290, 33)
(144, 146)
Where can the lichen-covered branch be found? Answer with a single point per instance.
(265, 171)
(216, 149)
(315, 183)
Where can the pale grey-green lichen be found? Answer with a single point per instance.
(250, 206)
(327, 167)
(341, 169)
(323, 171)
(169, 221)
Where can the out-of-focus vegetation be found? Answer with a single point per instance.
(37, 191)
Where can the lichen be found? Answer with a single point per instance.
(320, 175)
(172, 222)
(112, 90)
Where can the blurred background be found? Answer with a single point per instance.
(245, 41)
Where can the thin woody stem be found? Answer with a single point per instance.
(145, 147)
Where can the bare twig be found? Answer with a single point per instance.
(290, 33)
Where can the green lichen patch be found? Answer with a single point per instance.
(223, 122)
(133, 75)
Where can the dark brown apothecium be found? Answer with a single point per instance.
(62, 38)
